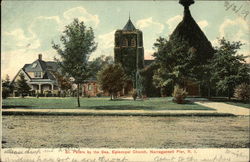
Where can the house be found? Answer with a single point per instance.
(39, 75)
(91, 88)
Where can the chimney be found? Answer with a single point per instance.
(40, 56)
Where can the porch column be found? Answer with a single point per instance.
(52, 87)
(39, 88)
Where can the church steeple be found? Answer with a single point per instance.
(186, 3)
(129, 26)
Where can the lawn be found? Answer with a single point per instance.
(99, 104)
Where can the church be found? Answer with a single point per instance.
(129, 52)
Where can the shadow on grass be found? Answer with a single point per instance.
(15, 106)
(120, 107)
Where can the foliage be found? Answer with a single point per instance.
(5, 92)
(99, 95)
(228, 68)
(22, 87)
(7, 87)
(134, 94)
(174, 61)
(98, 63)
(242, 92)
(184, 56)
(147, 80)
(139, 84)
(63, 81)
(111, 79)
(78, 43)
(179, 95)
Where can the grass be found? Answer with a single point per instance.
(99, 104)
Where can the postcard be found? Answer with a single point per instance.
(121, 81)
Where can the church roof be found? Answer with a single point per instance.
(129, 26)
(188, 30)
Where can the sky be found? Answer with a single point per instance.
(29, 27)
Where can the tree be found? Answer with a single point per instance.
(78, 43)
(63, 81)
(22, 87)
(112, 79)
(7, 87)
(99, 63)
(228, 68)
(242, 92)
(173, 60)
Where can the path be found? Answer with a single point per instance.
(225, 108)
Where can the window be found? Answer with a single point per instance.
(38, 74)
(133, 42)
(89, 87)
(34, 65)
(124, 42)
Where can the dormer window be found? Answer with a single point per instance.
(37, 74)
(34, 65)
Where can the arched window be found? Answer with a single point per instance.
(133, 42)
(89, 87)
(125, 42)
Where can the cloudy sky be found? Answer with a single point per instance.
(29, 27)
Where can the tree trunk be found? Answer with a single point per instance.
(78, 93)
(209, 90)
(229, 96)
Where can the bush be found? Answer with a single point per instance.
(99, 94)
(179, 95)
(134, 94)
(5, 92)
(242, 92)
(47, 93)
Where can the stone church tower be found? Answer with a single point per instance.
(129, 50)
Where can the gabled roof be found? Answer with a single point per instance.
(19, 72)
(51, 65)
(38, 65)
(41, 66)
(129, 26)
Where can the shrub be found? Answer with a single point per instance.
(47, 93)
(179, 95)
(5, 92)
(242, 92)
(99, 94)
(134, 94)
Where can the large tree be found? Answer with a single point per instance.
(112, 79)
(229, 69)
(99, 63)
(174, 62)
(22, 86)
(77, 45)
